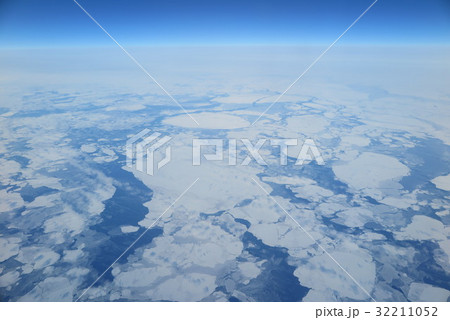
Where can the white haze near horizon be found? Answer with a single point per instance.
(365, 106)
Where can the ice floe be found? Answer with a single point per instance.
(208, 120)
(422, 228)
(10, 248)
(442, 182)
(423, 292)
(371, 171)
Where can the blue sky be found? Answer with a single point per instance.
(37, 23)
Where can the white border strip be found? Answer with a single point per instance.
(219, 311)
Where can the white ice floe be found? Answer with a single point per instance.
(241, 99)
(371, 171)
(72, 255)
(77, 273)
(89, 148)
(199, 244)
(9, 279)
(261, 210)
(445, 246)
(311, 192)
(370, 236)
(37, 257)
(10, 201)
(51, 289)
(9, 248)
(190, 244)
(129, 229)
(7, 114)
(9, 169)
(38, 180)
(329, 208)
(249, 269)
(355, 140)
(442, 182)
(307, 125)
(422, 292)
(354, 217)
(322, 274)
(42, 201)
(404, 202)
(208, 120)
(69, 223)
(105, 155)
(189, 287)
(443, 213)
(302, 187)
(219, 187)
(422, 228)
(292, 180)
(126, 107)
(140, 277)
(247, 112)
(285, 235)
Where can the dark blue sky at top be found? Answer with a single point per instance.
(198, 22)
